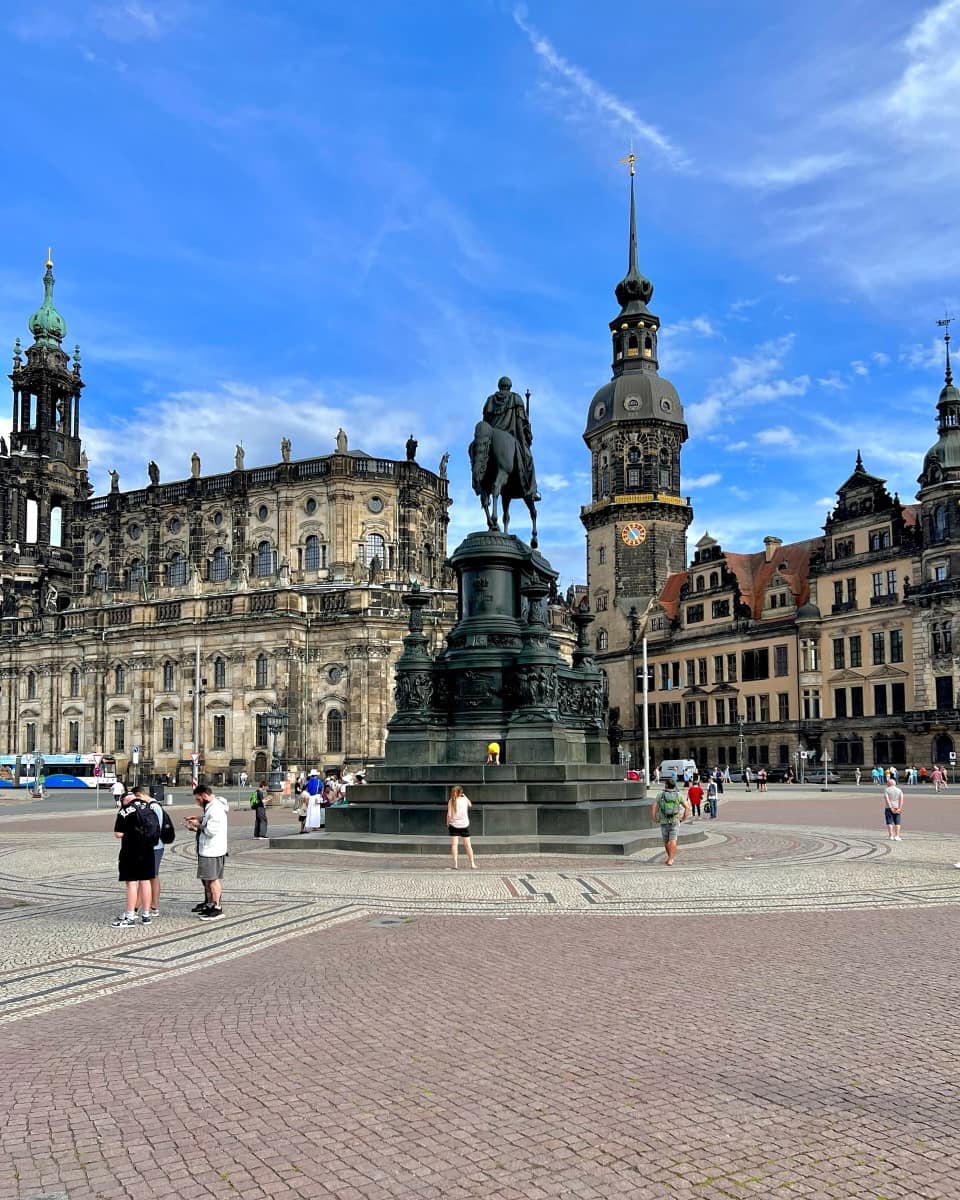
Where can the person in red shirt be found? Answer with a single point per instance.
(695, 795)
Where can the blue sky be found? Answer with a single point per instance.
(276, 217)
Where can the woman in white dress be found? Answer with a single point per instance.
(316, 815)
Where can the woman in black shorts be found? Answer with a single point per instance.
(458, 824)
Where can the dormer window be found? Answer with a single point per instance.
(700, 583)
(879, 539)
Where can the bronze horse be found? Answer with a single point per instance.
(496, 476)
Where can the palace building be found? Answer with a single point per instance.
(174, 616)
(839, 644)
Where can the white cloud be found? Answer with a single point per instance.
(930, 83)
(788, 279)
(833, 381)
(804, 169)
(733, 447)
(130, 20)
(740, 306)
(553, 481)
(603, 103)
(860, 368)
(779, 435)
(702, 481)
(825, 502)
(751, 380)
(881, 359)
(930, 357)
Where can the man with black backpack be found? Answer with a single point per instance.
(167, 835)
(669, 809)
(138, 829)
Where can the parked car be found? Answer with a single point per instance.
(815, 775)
(779, 773)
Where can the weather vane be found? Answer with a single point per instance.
(632, 160)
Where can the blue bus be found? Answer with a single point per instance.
(59, 770)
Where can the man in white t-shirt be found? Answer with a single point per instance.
(893, 802)
(118, 791)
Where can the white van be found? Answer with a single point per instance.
(676, 768)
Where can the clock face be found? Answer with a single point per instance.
(634, 534)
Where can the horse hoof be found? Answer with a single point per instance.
(534, 543)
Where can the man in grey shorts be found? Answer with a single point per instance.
(211, 847)
(669, 809)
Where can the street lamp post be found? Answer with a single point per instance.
(277, 720)
(743, 765)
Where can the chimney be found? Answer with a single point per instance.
(770, 546)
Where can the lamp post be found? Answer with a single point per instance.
(277, 720)
(743, 765)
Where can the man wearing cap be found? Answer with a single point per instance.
(143, 796)
(212, 847)
(136, 867)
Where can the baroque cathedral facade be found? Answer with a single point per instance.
(838, 645)
(174, 617)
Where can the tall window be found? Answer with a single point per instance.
(751, 708)
(780, 654)
(856, 702)
(166, 733)
(138, 572)
(73, 737)
(219, 565)
(783, 706)
(942, 638)
(891, 583)
(602, 640)
(839, 660)
(375, 548)
(119, 734)
(98, 577)
(31, 686)
(633, 468)
(219, 673)
(219, 732)
(177, 571)
(334, 731)
(840, 702)
(602, 555)
(261, 677)
(877, 579)
(31, 736)
(856, 653)
(74, 682)
(261, 734)
(119, 680)
(168, 677)
(811, 704)
(721, 709)
(880, 699)
(896, 645)
(56, 525)
(879, 649)
(718, 670)
(939, 523)
(33, 513)
(311, 553)
(264, 562)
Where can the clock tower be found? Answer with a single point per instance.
(637, 520)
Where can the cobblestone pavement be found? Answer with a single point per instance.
(771, 1017)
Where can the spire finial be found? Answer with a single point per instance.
(944, 324)
(859, 461)
(49, 259)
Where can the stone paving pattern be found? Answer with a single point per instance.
(357, 1031)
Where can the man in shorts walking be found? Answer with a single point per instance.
(211, 847)
(669, 809)
(893, 802)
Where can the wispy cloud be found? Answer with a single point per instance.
(775, 176)
(833, 382)
(696, 483)
(554, 482)
(779, 435)
(788, 279)
(860, 368)
(603, 103)
(751, 380)
(881, 359)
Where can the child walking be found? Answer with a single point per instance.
(458, 824)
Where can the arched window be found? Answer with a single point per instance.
(177, 573)
(138, 572)
(56, 525)
(311, 553)
(219, 565)
(98, 577)
(604, 476)
(219, 673)
(264, 564)
(33, 517)
(699, 583)
(119, 680)
(375, 548)
(261, 678)
(74, 682)
(647, 346)
(714, 579)
(334, 731)
(168, 676)
(664, 468)
(602, 640)
(31, 686)
(939, 523)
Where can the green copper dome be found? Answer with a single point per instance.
(46, 324)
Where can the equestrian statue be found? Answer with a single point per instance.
(501, 463)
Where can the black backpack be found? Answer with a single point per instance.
(167, 831)
(146, 824)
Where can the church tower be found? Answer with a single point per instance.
(43, 472)
(637, 520)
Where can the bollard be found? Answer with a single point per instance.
(169, 799)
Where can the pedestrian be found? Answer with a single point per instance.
(458, 824)
(493, 754)
(143, 796)
(669, 809)
(138, 830)
(936, 777)
(119, 790)
(762, 779)
(923, 774)
(856, 776)
(893, 810)
(212, 847)
(243, 779)
(314, 816)
(258, 802)
(695, 796)
(720, 778)
(713, 798)
(747, 776)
